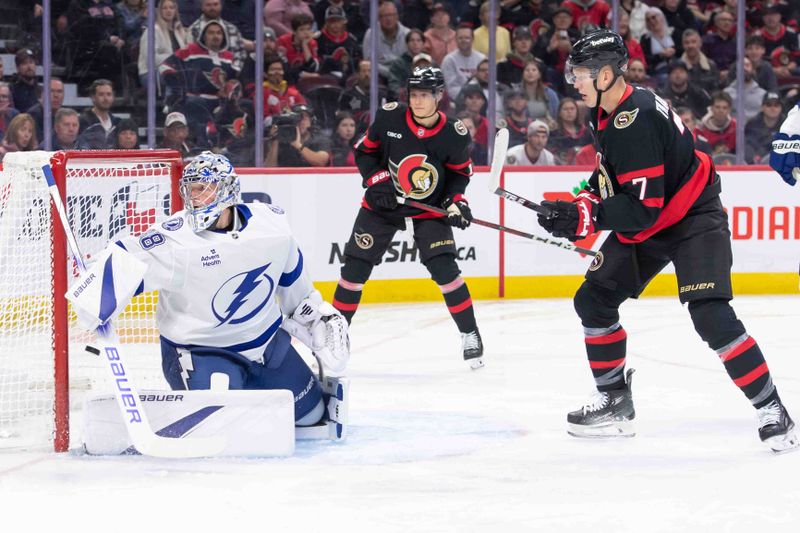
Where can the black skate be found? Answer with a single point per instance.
(776, 428)
(472, 346)
(606, 414)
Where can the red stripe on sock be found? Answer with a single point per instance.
(738, 350)
(751, 376)
(343, 306)
(460, 307)
(608, 339)
(607, 364)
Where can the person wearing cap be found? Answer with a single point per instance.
(339, 51)
(391, 37)
(352, 12)
(753, 93)
(481, 35)
(23, 85)
(755, 49)
(515, 102)
(532, 152)
(509, 72)
(461, 64)
(400, 69)
(176, 134)
(248, 74)
(775, 33)
(681, 93)
(440, 38)
(170, 36)
(759, 130)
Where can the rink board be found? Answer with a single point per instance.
(764, 218)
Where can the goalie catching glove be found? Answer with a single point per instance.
(319, 326)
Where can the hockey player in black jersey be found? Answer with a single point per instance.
(660, 199)
(419, 153)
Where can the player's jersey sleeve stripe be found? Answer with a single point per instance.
(370, 144)
(287, 278)
(652, 172)
(653, 202)
(459, 166)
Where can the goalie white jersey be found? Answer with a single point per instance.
(224, 289)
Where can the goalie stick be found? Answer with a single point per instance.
(560, 244)
(128, 401)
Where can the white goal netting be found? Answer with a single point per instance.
(109, 195)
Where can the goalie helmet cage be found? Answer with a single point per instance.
(109, 194)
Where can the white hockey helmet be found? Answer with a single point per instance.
(209, 168)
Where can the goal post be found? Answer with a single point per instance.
(109, 194)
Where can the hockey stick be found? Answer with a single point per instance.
(131, 409)
(498, 160)
(560, 244)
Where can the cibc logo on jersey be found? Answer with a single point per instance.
(414, 176)
(243, 296)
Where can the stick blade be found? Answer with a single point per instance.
(498, 159)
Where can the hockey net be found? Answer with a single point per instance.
(44, 368)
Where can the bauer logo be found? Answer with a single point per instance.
(83, 285)
(697, 287)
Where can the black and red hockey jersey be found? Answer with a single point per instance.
(426, 164)
(648, 173)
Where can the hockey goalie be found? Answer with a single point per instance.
(233, 292)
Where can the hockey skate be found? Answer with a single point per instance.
(776, 428)
(606, 414)
(472, 347)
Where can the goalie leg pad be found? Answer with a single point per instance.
(336, 392)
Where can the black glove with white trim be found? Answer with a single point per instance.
(459, 215)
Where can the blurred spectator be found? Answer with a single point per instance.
(56, 101)
(176, 135)
(687, 116)
(294, 143)
(24, 86)
(132, 19)
(97, 122)
(417, 13)
(352, 11)
(657, 44)
(509, 71)
(241, 13)
(636, 11)
(532, 152)
(66, 127)
(682, 93)
(477, 152)
(783, 64)
(233, 120)
(391, 37)
(7, 109)
(170, 36)
(2, 70)
(515, 103)
(531, 13)
(775, 33)
(637, 75)
(339, 51)
(126, 135)
(718, 127)
(344, 131)
(554, 45)
(440, 38)
(570, 134)
(355, 98)
(481, 79)
(760, 129)
(248, 73)
(199, 72)
(20, 136)
(481, 35)
(460, 65)
(400, 68)
(278, 14)
(702, 70)
(234, 42)
(754, 50)
(279, 95)
(720, 45)
(542, 100)
(632, 44)
(299, 48)
(587, 12)
(97, 38)
(753, 93)
(680, 18)
(189, 11)
(474, 105)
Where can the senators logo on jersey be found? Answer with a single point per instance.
(414, 176)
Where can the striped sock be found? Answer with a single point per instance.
(746, 366)
(606, 350)
(459, 303)
(347, 297)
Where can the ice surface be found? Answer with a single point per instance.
(436, 447)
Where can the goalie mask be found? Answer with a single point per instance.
(209, 177)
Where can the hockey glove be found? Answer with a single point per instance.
(459, 214)
(319, 326)
(570, 220)
(785, 156)
(381, 193)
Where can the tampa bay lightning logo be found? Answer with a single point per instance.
(242, 297)
(173, 224)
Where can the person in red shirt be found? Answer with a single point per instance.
(594, 12)
(279, 94)
(299, 48)
(718, 126)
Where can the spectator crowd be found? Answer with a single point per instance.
(317, 62)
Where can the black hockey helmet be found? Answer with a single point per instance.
(596, 50)
(428, 78)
